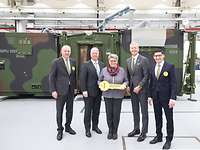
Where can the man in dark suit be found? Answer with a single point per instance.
(91, 92)
(163, 93)
(62, 81)
(138, 75)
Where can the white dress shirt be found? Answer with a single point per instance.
(156, 68)
(96, 65)
(135, 58)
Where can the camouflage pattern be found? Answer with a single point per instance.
(25, 60)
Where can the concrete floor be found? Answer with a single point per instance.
(29, 124)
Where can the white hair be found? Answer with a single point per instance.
(93, 49)
(66, 47)
(113, 56)
(134, 43)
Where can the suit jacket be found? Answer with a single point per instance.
(165, 84)
(59, 79)
(140, 73)
(89, 78)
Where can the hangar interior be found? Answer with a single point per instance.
(30, 123)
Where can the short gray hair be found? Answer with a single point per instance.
(66, 47)
(93, 49)
(113, 56)
(134, 43)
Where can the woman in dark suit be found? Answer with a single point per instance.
(113, 74)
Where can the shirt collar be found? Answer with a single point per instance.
(135, 57)
(94, 61)
(65, 59)
(161, 64)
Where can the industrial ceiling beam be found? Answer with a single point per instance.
(50, 18)
(100, 19)
(50, 11)
(113, 16)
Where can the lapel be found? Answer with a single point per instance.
(129, 65)
(163, 69)
(71, 64)
(138, 61)
(64, 66)
(153, 72)
(92, 67)
(101, 65)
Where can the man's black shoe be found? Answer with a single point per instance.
(133, 133)
(156, 140)
(115, 136)
(97, 130)
(167, 145)
(59, 136)
(142, 137)
(70, 130)
(109, 136)
(88, 134)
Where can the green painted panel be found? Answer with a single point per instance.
(6, 76)
(40, 70)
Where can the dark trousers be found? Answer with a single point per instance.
(92, 109)
(60, 102)
(113, 110)
(140, 101)
(158, 104)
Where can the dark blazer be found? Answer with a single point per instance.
(165, 85)
(89, 78)
(59, 79)
(140, 73)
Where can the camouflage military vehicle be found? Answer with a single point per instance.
(25, 60)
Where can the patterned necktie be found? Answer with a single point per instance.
(68, 67)
(132, 63)
(158, 72)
